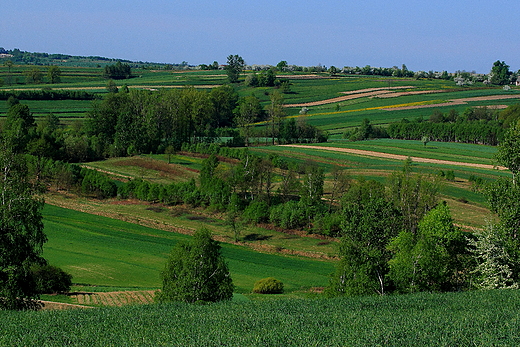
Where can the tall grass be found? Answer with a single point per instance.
(487, 318)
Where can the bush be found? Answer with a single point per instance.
(51, 279)
(257, 212)
(269, 285)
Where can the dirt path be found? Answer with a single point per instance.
(399, 157)
(355, 94)
(388, 92)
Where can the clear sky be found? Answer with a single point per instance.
(423, 34)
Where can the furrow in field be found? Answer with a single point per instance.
(399, 157)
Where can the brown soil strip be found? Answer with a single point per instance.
(339, 98)
(384, 92)
(50, 305)
(417, 92)
(379, 89)
(355, 94)
(106, 172)
(118, 298)
(399, 157)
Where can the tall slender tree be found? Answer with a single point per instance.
(235, 65)
(21, 231)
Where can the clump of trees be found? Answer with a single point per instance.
(474, 125)
(117, 71)
(480, 125)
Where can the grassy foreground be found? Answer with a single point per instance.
(485, 318)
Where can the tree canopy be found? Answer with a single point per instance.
(196, 271)
(500, 73)
(235, 65)
(21, 232)
(118, 71)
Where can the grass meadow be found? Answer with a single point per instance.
(106, 252)
(478, 318)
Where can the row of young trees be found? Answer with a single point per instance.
(481, 125)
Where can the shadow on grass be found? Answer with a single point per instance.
(256, 237)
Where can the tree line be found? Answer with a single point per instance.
(480, 125)
(47, 94)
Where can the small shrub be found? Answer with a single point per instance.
(51, 279)
(450, 175)
(269, 285)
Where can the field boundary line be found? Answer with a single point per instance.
(400, 157)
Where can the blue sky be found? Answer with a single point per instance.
(424, 35)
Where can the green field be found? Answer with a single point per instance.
(479, 318)
(105, 252)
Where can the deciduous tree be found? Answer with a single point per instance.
(369, 222)
(430, 258)
(54, 74)
(196, 271)
(500, 73)
(235, 65)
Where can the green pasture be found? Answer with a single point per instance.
(100, 251)
(60, 108)
(478, 318)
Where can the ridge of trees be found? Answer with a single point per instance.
(480, 125)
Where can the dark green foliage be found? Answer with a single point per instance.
(500, 73)
(510, 115)
(21, 232)
(269, 285)
(299, 132)
(196, 271)
(235, 65)
(475, 125)
(117, 71)
(19, 127)
(365, 131)
(54, 74)
(509, 151)
(413, 195)
(432, 258)
(224, 100)
(256, 212)
(369, 222)
(97, 183)
(50, 279)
